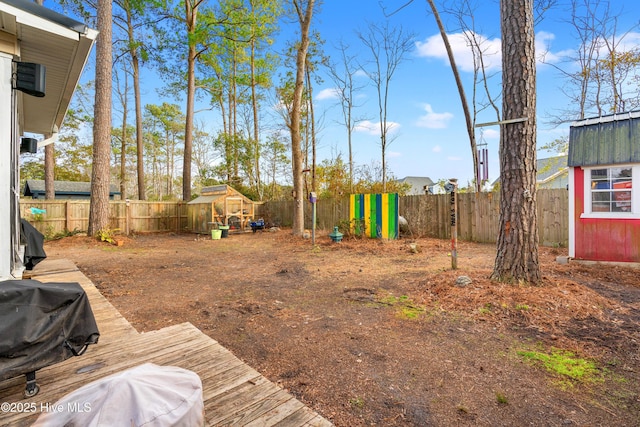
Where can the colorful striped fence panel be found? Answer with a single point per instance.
(374, 215)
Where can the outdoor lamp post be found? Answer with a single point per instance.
(313, 199)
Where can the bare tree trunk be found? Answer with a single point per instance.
(99, 207)
(463, 98)
(123, 94)
(346, 90)
(517, 248)
(304, 18)
(312, 129)
(123, 153)
(49, 172)
(191, 13)
(256, 127)
(142, 191)
(388, 48)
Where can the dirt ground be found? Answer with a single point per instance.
(370, 332)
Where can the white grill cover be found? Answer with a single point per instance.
(147, 395)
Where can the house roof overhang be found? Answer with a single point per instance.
(59, 43)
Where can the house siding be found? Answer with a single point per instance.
(600, 239)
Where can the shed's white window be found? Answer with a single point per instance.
(612, 192)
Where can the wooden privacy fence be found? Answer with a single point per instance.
(429, 215)
(124, 217)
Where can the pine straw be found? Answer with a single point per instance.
(545, 308)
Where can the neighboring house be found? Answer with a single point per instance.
(34, 188)
(553, 172)
(418, 185)
(42, 54)
(604, 188)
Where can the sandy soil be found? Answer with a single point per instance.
(370, 332)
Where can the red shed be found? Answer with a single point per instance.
(604, 188)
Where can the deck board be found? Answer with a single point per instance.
(233, 392)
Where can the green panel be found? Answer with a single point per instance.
(606, 140)
(621, 149)
(357, 212)
(373, 218)
(634, 137)
(379, 217)
(393, 216)
(591, 146)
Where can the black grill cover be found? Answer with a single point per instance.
(34, 244)
(42, 324)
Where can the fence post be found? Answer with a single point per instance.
(179, 216)
(127, 217)
(67, 216)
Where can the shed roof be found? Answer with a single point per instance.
(221, 188)
(205, 199)
(33, 186)
(605, 140)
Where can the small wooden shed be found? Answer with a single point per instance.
(604, 188)
(221, 205)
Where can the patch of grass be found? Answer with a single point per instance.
(501, 398)
(462, 408)
(52, 235)
(411, 312)
(407, 309)
(486, 309)
(357, 402)
(522, 307)
(565, 365)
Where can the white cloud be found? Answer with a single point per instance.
(374, 128)
(433, 47)
(629, 43)
(437, 149)
(454, 158)
(491, 134)
(545, 55)
(432, 120)
(624, 43)
(331, 93)
(543, 49)
(360, 73)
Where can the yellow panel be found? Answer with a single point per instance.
(367, 215)
(385, 215)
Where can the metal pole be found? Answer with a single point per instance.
(313, 199)
(313, 224)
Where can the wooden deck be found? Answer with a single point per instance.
(234, 393)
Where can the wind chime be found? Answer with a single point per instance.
(483, 162)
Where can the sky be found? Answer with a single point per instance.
(429, 126)
(429, 137)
